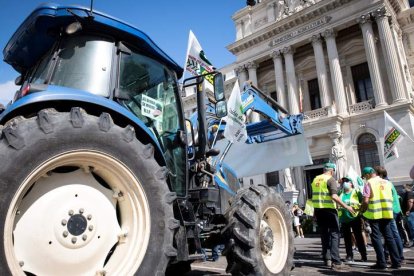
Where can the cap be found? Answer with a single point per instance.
(330, 166)
(347, 179)
(295, 203)
(368, 170)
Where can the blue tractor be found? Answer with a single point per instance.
(97, 174)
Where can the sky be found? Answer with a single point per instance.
(167, 22)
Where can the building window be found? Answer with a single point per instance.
(367, 151)
(362, 82)
(314, 96)
(273, 95)
(272, 178)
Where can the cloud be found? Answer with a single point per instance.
(7, 91)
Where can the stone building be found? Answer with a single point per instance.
(341, 63)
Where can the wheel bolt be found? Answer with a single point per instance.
(90, 227)
(71, 212)
(74, 240)
(84, 237)
(65, 234)
(64, 222)
(81, 210)
(89, 217)
(21, 263)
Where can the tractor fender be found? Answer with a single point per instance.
(63, 99)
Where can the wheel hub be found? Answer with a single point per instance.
(266, 238)
(77, 224)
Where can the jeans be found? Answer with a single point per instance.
(329, 227)
(397, 238)
(215, 252)
(382, 228)
(356, 226)
(410, 220)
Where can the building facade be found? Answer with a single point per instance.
(340, 62)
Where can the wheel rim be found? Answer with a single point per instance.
(274, 240)
(74, 222)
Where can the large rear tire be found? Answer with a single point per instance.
(80, 195)
(259, 232)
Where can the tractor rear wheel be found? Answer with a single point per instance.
(259, 232)
(81, 195)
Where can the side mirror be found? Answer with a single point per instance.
(221, 109)
(219, 87)
(18, 81)
(190, 139)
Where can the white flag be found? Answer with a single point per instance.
(197, 63)
(235, 130)
(393, 134)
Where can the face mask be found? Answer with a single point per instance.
(347, 186)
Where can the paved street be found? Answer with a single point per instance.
(308, 261)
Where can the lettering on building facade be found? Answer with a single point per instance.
(316, 24)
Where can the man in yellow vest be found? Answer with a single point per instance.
(324, 196)
(377, 208)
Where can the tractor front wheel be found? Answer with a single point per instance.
(259, 232)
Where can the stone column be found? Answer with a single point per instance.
(291, 81)
(241, 75)
(280, 82)
(252, 68)
(336, 74)
(321, 70)
(372, 58)
(402, 59)
(390, 55)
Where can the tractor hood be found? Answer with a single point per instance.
(37, 34)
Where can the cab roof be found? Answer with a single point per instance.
(37, 34)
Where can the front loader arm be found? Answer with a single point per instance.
(276, 119)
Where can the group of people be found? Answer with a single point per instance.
(349, 207)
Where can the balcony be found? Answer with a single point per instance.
(361, 107)
(316, 113)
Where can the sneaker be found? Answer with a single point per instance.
(355, 249)
(349, 260)
(396, 266)
(364, 260)
(303, 237)
(328, 263)
(339, 267)
(378, 267)
(370, 248)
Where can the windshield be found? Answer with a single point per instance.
(153, 97)
(83, 62)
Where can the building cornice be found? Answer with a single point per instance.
(273, 30)
(316, 12)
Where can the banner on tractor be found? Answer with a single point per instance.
(235, 130)
(196, 61)
(393, 134)
(260, 158)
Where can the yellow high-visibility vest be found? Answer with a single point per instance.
(321, 198)
(380, 204)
